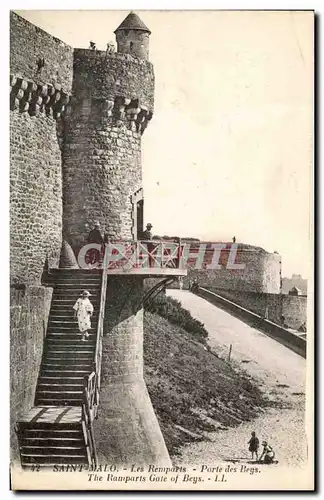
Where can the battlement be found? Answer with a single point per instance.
(105, 76)
(27, 96)
(119, 111)
(38, 56)
(102, 54)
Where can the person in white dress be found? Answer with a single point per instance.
(83, 310)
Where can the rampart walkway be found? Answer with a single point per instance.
(258, 354)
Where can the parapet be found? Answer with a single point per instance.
(28, 97)
(38, 56)
(103, 75)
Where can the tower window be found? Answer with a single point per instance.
(131, 46)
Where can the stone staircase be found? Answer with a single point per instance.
(53, 431)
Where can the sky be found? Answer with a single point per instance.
(229, 149)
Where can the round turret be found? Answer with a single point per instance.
(132, 37)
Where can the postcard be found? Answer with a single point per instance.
(161, 238)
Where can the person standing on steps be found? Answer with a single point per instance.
(83, 310)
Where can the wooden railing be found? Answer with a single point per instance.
(88, 412)
(142, 254)
(92, 382)
(98, 352)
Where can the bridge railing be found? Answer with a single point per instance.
(130, 254)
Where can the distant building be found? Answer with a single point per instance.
(295, 291)
(295, 281)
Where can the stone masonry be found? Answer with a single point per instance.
(38, 96)
(35, 198)
(29, 308)
(111, 106)
(262, 271)
(77, 117)
(126, 424)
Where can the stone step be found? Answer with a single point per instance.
(53, 441)
(76, 291)
(61, 380)
(63, 363)
(53, 433)
(90, 280)
(60, 387)
(66, 303)
(52, 459)
(62, 372)
(66, 365)
(69, 356)
(68, 319)
(73, 322)
(75, 272)
(67, 329)
(58, 394)
(69, 344)
(54, 351)
(50, 427)
(69, 336)
(61, 449)
(56, 401)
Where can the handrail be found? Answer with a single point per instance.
(92, 381)
(87, 418)
(159, 253)
(97, 358)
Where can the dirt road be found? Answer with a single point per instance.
(279, 372)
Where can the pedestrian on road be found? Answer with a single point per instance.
(254, 445)
(83, 310)
(268, 455)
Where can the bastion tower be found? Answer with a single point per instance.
(111, 105)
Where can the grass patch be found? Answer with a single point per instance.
(172, 310)
(192, 390)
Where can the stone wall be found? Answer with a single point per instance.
(101, 172)
(134, 41)
(105, 76)
(28, 44)
(294, 309)
(111, 106)
(262, 271)
(254, 301)
(35, 156)
(29, 308)
(282, 334)
(126, 430)
(35, 196)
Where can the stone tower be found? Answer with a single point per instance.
(132, 37)
(111, 104)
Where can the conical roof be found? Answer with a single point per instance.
(132, 22)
